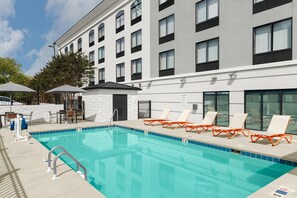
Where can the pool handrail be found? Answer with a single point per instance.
(78, 164)
(111, 119)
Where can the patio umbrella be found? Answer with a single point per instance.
(13, 87)
(66, 89)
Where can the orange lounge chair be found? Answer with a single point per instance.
(206, 123)
(276, 130)
(181, 121)
(163, 117)
(235, 127)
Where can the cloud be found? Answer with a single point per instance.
(65, 14)
(11, 40)
(7, 8)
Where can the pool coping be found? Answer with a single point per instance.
(187, 140)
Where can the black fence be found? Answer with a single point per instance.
(144, 109)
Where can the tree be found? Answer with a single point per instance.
(71, 68)
(10, 70)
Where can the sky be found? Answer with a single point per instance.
(27, 27)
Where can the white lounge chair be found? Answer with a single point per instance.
(206, 123)
(163, 117)
(236, 126)
(276, 130)
(181, 121)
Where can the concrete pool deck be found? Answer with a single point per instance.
(23, 171)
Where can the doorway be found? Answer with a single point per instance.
(120, 103)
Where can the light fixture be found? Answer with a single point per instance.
(183, 80)
(149, 83)
(233, 75)
(214, 78)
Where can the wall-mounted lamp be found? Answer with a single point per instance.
(139, 85)
(214, 78)
(183, 80)
(149, 83)
(233, 75)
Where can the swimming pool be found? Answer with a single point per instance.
(128, 163)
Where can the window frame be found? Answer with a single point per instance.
(165, 4)
(92, 62)
(137, 74)
(168, 71)
(79, 44)
(208, 65)
(101, 32)
(91, 38)
(137, 47)
(168, 36)
(122, 44)
(267, 5)
(71, 48)
(101, 80)
(209, 22)
(134, 6)
(120, 78)
(272, 55)
(102, 59)
(119, 15)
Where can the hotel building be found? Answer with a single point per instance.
(232, 56)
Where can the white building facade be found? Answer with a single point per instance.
(232, 56)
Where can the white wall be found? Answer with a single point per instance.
(40, 112)
(99, 106)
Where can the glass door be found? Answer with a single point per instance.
(271, 106)
(289, 107)
(217, 101)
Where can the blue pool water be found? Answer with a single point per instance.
(125, 163)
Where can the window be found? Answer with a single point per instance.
(92, 78)
(79, 45)
(217, 101)
(91, 58)
(207, 55)
(166, 29)
(273, 42)
(166, 63)
(136, 41)
(136, 67)
(101, 75)
(120, 47)
(135, 12)
(262, 5)
(66, 50)
(101, 54)
(261, 105)
(91, 38)
(71, 48)
(120, 21)
(101, 32)
(207, 14)
(120, 72)
(165, 4)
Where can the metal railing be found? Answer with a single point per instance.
(111, 119)
(49, 160)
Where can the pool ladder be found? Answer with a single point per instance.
(111, 119)
(64, 152)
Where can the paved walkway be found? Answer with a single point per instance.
(23, 172)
